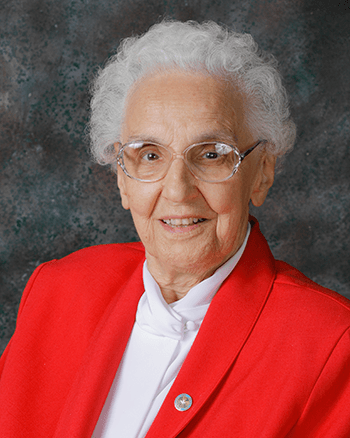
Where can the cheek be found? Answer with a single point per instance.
(142, 198)
(229, 199)
(231, 204)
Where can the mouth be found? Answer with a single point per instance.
(185, 222)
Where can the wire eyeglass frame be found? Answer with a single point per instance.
(241, 156)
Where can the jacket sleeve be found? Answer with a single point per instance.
(21, 306)
(3, 358)
(327, 411)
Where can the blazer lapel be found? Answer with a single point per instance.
(100, 364)
(230, 319)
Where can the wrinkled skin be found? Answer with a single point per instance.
(177, 109)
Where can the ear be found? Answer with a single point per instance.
(264, 180)
(121, 180)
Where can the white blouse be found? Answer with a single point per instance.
(158, 345)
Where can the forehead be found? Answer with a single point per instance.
(179, 104)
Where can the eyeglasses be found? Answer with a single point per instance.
(209, 161)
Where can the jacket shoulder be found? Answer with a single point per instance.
(305, 290)
(101, 259)
(121, 252)
(89, 274)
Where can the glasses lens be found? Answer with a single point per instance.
(212, 161)
(145, 161)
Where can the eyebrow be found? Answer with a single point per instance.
(208, 136)
(216, 136)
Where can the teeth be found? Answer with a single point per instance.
(182, 222)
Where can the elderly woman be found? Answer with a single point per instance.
(197, 331)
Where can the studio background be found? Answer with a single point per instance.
(54, 200)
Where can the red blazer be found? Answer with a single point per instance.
(271, 359)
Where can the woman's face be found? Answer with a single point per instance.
(176, 110)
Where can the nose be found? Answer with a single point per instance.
(179, 185)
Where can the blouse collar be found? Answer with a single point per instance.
(156, 316)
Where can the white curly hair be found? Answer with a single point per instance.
(208, 48)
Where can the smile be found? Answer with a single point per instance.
(183, 222)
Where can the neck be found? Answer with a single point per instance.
(175, 283)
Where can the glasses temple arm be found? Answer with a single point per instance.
(248, 151)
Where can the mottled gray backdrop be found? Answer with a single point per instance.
(55, 200)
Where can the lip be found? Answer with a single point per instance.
(187, 216)
(182, 228)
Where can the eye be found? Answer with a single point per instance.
(149, 156)
(142, 153)
(151, 153)
(211, 155)
(212, 151)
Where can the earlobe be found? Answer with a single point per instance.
(121, 183)
(264, 180)
(122, 189)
